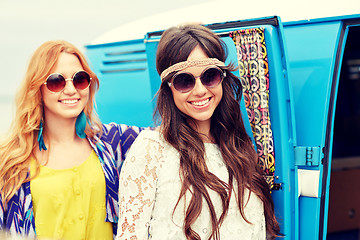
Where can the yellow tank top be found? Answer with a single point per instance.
(70, 203)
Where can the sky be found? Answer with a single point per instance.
(26, 24)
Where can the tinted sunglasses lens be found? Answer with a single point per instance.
(211, 77)
(81, 80)
(183, 82)
(55, 82)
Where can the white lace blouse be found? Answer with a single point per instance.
(150, 187)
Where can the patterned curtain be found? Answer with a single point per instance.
(254, 74)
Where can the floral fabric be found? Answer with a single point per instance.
(254, 75)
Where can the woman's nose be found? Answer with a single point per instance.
(69, 87)
(199, 89)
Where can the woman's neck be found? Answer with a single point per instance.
(64, 147)
(203, 128)
(60, 130)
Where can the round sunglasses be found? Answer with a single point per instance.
(185, 81)
(56, 82)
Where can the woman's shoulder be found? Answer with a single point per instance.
(152, 135)
(113, 131)
(154, 139)
(147, 145)
(108, 127)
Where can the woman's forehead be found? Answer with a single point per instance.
(191, 63)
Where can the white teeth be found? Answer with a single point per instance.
(69, 101)
(201, 102)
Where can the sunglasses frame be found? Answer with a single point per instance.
(68, 79)
(223, 75)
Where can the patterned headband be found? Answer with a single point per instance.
(182, 65)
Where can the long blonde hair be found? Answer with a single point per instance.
(18, 146)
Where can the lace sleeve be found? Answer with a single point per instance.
(137, 188)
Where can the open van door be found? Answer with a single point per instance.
(315, 55)
(279, 96)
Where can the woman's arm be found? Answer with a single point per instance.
(2, 221)
(121, 137)
(137, 188)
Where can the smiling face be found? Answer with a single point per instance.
(68, 103)
(201, 102)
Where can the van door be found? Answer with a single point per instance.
(280, 106)
(344, 195)
(315, 52)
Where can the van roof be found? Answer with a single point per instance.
(231, 10)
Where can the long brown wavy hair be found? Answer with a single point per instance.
(227, 129)
(18, 146)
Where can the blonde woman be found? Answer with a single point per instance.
(59, 168)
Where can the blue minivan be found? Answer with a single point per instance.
(313, 69)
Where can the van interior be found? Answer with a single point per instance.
(344, 195)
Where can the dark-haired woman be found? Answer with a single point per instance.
(197, 176)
